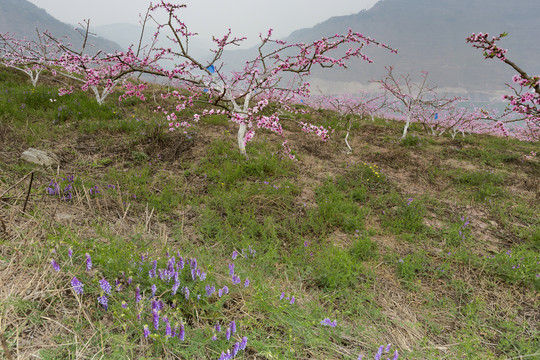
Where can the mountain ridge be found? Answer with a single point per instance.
(430, 35)
(21, 19)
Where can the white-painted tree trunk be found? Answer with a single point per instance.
(347, 143)
(406, 126)
(242, 129)
(34, 78)
(347, 137)
(100, 98)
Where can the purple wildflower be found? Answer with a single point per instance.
(218, 327)
(225, 289)
(379, 353)
(282, 296)
(168, 330)
(328, 322)
(55, 265)
(228, 334)
(124, 305)
(138, 294)
(155, 318)
(292, 300)
(236, 347)
(175, 287)
(77, 285)
(243, 343)
(170, 265)
(231, 269)
(70, 253)
(246, 283)
(181, 333)
(146, 331)
(103, 300)
(154, 289)
(234, 254)
(233, 327)
(88, 262)
(152, 271)
(105, 286)
(186, 292)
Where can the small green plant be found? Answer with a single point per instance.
(410, 266)
(338, 209)
(363, 248)
(405, 217)
(457, 233)
(335, 268)
(411, 141)
(485, 185)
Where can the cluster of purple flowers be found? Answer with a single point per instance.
(66, 192)
(94, 190)
(291, 300)
(463, 227)
(328, 322)
(231, 354)
(179, 275)
(55, 189)
(383, 350)
(244, 253)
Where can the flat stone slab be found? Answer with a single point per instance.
(40, 157)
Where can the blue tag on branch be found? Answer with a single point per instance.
(211, 68)
(436, 116)
(205, 90)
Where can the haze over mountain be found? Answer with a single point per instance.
(430, 35)
(21, 18)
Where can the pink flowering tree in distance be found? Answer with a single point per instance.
(276, 74)
(525, 97)
(415, 101)
(351, 108)
(28, 56)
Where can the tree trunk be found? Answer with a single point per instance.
(242, 129)
(406, 126)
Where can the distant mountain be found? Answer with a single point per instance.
(430, 35)
(21, 18)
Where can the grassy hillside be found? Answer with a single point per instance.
(429, 244)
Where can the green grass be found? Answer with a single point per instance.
(393, 245)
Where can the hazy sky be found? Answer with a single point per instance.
(244, 17)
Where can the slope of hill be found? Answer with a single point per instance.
(431, 244)
(21, 18)
(430, 35)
